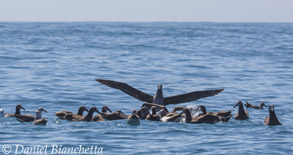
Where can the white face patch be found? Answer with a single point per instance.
(271, 107)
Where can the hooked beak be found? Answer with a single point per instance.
(98, 112)
(22, 107)
(44, 110)
(235, 105)
(109, 110)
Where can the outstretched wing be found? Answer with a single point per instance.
(127, 89)
(188, 97)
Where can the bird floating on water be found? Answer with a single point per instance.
(260, 106)
(133, 119)
(38, 118)
(272, 119)
(61, 114)
(241, 115)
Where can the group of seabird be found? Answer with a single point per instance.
(272, 119)
(68, 115)
(37, 120)
(158, 102)
(154, 109)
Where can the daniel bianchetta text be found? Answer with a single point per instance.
(51, 149)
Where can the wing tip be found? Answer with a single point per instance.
(98, 80)
(102, 81)
(217, 91)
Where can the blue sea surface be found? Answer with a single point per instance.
(54, 66)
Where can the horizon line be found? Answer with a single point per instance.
(93, 21)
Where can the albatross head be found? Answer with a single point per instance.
(19, 107)
(105, 109)
(271, 107)
(39, 113)
(160, 86)
(94, 109)
(239, 103)
(83, 108)
(261, 105)
(41, 109)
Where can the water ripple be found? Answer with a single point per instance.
(54, 65)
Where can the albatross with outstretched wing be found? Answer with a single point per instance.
(158, 98)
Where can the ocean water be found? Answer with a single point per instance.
(54, 66)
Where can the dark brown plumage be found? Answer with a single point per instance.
(241, 115)
(225, 115)
(40, 122)
(17, 111)
(99, 117)
(25, 118)
(114, 115)
(272, 119)
(19, 116)
(61, 114)
(260, 106)
(142, 113)
(153, 116)
(88, 117)
(207, 118)
(158, 98)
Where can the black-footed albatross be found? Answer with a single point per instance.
(114, 115)
(158, 98)
(133, 119)
(19, 117)
(61, 114)
(170, 117)
(88, 117)
(99, 117)
(109, 116)
(164, 114)
(38, 119)
(241, 115)
(261, 105)
(153, 116)
(17, 111)
(225, 115)
(272, 119)
(143, 113)
(207, 118)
